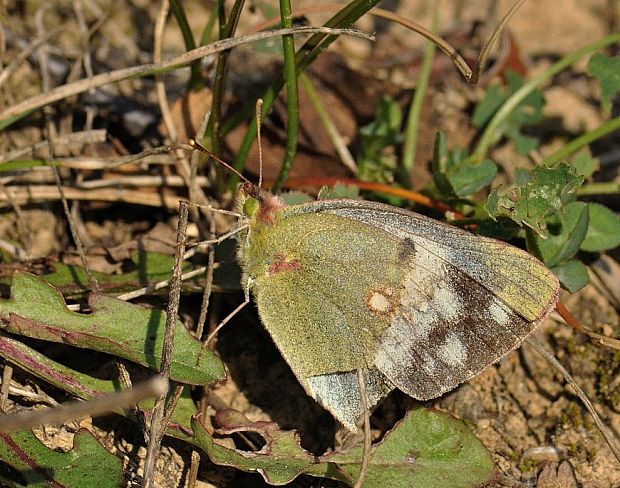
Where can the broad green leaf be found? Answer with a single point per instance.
(603, 231)
(122, 329)
(145, 268)
(607, 71)
(530, 203)
(87, 387)
(455, 174)
(87, 464)
(573, 275)
(567, 230)
(493, 99)
(426, 449)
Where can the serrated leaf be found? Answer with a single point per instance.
(547, 192)
(573, 275)
(87, 464)
(426, 449)
(122, 329)
(567, 230)
(603, 231)
(607, 71)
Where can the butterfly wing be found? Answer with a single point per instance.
(326, 302)
(410, 301)
(466, 300)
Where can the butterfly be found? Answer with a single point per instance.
(413, 303)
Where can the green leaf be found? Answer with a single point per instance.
(604, 230)
(426, 449)
(584, 163)
(528, 112)
(493, 99)
(295, 197)
(339, 191)
(567, 230)
(87, 464)
(144, 269)
(455, 174)
(607, 71)
(122, 329)
(530, 203)
(87, 387)
(375, 161)
(573, 275)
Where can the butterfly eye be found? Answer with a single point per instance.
(250, 206)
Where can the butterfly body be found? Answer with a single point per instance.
(416, 304)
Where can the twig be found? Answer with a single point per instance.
(20, 109)
(607, 434)
(192, 476)
(46, 193)
(155, 387)
(75, 138)
(7, 374)
(208, 283)
(140, 181)
(608, 342)
(157, 419)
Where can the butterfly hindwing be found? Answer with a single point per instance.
(414, 303)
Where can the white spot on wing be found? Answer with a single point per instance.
(447, 302)
(499, 313)
(452, 351)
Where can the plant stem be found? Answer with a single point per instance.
(602, 188)
(213, 129)
(179, 14)
(489, 134)
(306, 54)
(583, 140)
(292, 97)
(413, 119)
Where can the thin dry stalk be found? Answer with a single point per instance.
(155, 387)
(7, 375)
(81, 86)
(603, 429)
(75, 140)
(174, 297)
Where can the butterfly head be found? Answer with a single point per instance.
(258, 205)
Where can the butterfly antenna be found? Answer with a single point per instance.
(194, 144)
(259, 113)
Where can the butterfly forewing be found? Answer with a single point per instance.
(414, 303)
